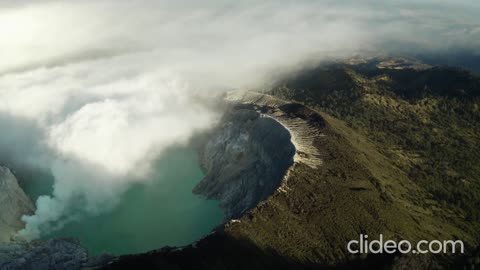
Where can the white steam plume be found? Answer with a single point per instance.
(94, 90)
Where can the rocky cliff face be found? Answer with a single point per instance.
(44, 255)
(37, 255)
(245, 160)
(57, 254)
(14, 203)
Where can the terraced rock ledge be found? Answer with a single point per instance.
(301, 122)
(248, 157)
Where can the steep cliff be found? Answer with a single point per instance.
(43, 255)
(36, 255)
(245, 159)
(14, 203)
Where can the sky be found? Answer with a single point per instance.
(94, 90)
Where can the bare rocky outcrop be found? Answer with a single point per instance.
(15, 254)
(43, 255)
(248, 156)
(245, 160)
(52, 254)
(302, 123)
(14, 203)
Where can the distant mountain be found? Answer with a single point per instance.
(465, 58)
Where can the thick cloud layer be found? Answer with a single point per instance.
(94, 90)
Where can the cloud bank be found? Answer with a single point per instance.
(94, 90)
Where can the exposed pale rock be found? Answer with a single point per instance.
(294, 117)
(248, 157)
(245, 159)
(14, 203)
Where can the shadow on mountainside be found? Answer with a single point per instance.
(220, 251)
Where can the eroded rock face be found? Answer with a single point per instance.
(245, 160)
(38, 255)
(43, 255)
(14, 203)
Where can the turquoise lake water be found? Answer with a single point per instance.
(149, 216)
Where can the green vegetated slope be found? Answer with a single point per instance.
(413, 135)
(426, 122)
(400, 151)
